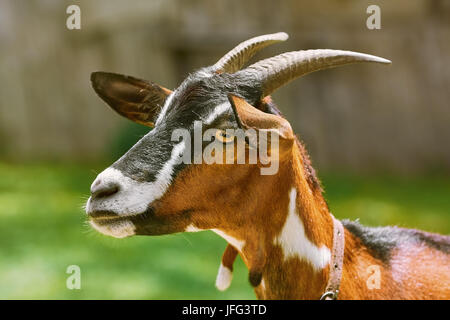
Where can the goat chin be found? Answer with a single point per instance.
(117, 229)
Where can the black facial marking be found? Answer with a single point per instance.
(193, 100)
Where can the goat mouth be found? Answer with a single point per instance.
(108, 217)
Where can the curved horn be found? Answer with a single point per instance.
(237, 57)
(279, 70)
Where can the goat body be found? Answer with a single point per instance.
(279, 223)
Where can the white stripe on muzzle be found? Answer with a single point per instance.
(133, 196)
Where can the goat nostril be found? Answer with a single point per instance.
(105, 190)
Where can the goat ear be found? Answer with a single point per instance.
(248, 116)
(135, 99)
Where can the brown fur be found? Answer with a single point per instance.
(239, 201)
(262, 217)
(248, 206)
(229, 256)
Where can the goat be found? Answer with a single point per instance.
(279, 224)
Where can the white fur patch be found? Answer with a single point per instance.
(224, 277)
(134, 197)
(164, 109)
(120, 229)
(294, 241)
(218, 110)
(238, 244)
(204, 74)
(192, 228)
(263, 284)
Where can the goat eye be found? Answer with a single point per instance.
(224, 137)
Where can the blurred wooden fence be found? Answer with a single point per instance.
(361, 117)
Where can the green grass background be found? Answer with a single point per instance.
(43, 231)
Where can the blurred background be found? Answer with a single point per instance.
(378, 136)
